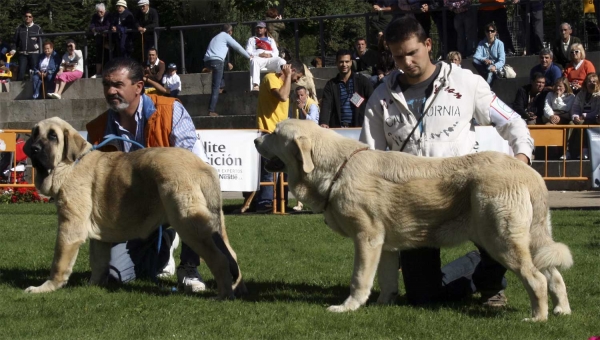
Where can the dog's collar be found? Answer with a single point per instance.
(339, 173)
(107, 139)
(83, 155)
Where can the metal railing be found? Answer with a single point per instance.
(321, 20)
(558, 136)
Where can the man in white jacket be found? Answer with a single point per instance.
(265, 54)
(431, 110)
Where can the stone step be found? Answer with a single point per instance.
(237, 82)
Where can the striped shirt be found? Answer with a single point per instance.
(183, 133)
(346, 92)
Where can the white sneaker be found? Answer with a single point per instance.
(566, 156)
(189, 278)
(50, 95)
(94, 76)
(56, 95)
(169, 269)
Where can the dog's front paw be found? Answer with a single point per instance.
(338, 309)
(536, 319)
(558, 310)
(46, 287)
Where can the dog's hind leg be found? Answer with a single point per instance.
(387, 274)
(222, 242)
(203, 243)
(367, 252)
(68, 241)
(99, 261)
(518, 259)
(558, 291)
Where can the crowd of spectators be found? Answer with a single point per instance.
(565, 61)
(563, 90)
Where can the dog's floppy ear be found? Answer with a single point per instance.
(305, 147)
(74, 145)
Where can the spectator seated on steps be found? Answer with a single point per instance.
(562, 45)
(265, 55)
(549, 69)
(71, 69)
(530, 100)
(46, 69)
(578, 68)
(363, 59)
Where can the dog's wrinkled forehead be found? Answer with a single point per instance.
(294, 128)
(51, 126)
(44, 129)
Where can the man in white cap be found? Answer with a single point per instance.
(122, 21)
(264, 51)
(147, 19)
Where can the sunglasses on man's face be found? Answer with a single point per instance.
(28, 16)
(70, 46)
(491, 31)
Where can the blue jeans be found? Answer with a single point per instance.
(37, 85)
(27, 62)
(265, 193)
(425, 282)
(217, 82)
(484, 71)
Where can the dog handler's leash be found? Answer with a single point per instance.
(108, 139)
(339, 173)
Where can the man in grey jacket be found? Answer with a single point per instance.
(214, 59)
(27, 45)
(430, 110)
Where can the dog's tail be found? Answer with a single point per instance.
(547, 253)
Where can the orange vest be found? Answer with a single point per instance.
(159, 112)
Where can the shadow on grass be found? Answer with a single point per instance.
(258, 291)
(23, 278)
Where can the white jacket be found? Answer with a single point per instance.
(253, 51)
(555, 103)
(460, 100)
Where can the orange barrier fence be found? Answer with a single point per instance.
(558, 136)
(8, 138)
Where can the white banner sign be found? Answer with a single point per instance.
(233, 154)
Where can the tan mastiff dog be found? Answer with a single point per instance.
(115, 196)
(387, 201)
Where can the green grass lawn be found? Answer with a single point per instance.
(294, 267)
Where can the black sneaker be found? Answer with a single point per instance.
(189, 279)
(264, 208)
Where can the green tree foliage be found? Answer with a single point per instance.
(52, 16)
